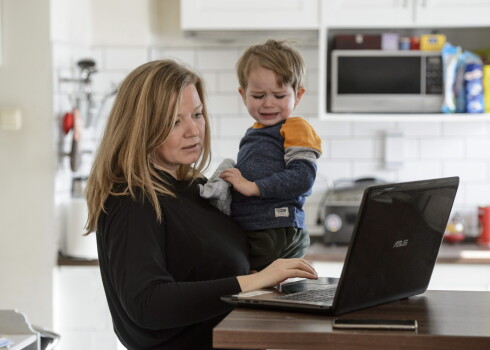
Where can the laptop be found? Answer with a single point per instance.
(391, 254)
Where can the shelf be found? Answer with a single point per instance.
(391, 117)
(64, 260)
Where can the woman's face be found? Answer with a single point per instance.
(185, 142)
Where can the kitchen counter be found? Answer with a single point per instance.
(456, 253)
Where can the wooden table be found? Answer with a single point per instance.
(446, 320)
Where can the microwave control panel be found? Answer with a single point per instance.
(433, 75)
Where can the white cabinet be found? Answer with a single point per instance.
(446, 276)
(461, 277)
(405, 13)
(249, 15)
(366, 13)
(453, 13)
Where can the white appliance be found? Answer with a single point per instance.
(405, 81)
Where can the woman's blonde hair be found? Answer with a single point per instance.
(278, 56)
(143, 114)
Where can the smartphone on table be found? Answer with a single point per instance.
(351, 323)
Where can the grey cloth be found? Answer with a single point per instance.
(217, 190)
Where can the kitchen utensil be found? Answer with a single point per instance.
(67, 122)
(76, 154)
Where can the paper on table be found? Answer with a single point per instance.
(5, 342)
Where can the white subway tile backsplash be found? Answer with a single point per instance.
(125, 58)
(224, 104)
(420, 129)
(64, 56)
(106, 82)
(478, 148)
(468, 171)
(442, 149)
(214, 124)
(327, 129)
(228, 82)
(187, 56)
(419, 170)
(307, 105)
(330, 170)
(217, 59)
(376, 129)
(352, 148)
(234, 126)
(464, 129)
(311, 81)
(97, 54)
(310, 57)
(460, 200)
(225, 148)
(373, 168)
(411, 148)
(210, 82)
(479, 194)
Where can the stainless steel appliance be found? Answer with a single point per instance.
(339, 207)
(408, 81)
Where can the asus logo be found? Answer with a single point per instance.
(399, 244)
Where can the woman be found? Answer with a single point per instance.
(166, 255)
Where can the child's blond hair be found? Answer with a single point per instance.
(278, 56)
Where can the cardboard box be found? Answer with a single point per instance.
(389, 41)
(357, 42)
(486, 87)
(432, 42)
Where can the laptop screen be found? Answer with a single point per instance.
(395, 242)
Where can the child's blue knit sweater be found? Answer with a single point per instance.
(281, 160)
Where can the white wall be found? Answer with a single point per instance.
(27, 162)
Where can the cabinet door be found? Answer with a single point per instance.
(249, 14)
(367, 13)
(453, 13)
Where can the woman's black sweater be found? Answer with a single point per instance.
(163, 280)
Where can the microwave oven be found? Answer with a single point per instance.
(365, 81)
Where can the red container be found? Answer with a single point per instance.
(414, 43)
(484, 225)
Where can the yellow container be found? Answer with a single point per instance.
(432, 42)
(486, 87)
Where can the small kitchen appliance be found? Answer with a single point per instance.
(402, 81)
(339, 207)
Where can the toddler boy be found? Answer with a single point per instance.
(276, 163)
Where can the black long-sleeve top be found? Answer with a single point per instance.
(163, 280)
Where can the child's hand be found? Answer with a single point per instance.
(239, 183)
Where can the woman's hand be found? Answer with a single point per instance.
(275, 273)
(239, 183)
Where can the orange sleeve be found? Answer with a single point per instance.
(297, 132)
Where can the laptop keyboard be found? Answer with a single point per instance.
(313, 295)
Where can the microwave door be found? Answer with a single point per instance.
(379, 83)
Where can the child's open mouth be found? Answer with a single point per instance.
(268, 115)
